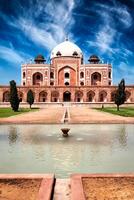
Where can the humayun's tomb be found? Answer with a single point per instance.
(67, 78)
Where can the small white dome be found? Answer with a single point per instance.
(66, 48)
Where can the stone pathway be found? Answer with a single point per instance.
(76, 114)
(87, 115)
(62, 189)
(46, 115)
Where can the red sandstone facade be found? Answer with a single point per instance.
(67, 78)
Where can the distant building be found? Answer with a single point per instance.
(67, 78)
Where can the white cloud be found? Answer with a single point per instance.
(121, 11)
(36, 34)
(124, 71)
(11, 55)
(56, 23)
(107, 38)
(104, 38)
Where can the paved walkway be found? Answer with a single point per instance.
(75, 115)
(88, 115)
(62, 189)
(46, 115)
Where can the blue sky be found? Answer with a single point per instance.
(31, 27)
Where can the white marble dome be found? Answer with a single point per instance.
(66, 48)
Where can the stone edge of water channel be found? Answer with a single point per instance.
(77, 190)
(46, 187)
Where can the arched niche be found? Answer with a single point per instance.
(96, 78)
(6, 96)
(37, 78)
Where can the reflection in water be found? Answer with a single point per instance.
(88, 149)
(122, 137)
(13, 136)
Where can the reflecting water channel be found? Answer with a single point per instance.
(88, 149)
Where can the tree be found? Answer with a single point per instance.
(14, 99)
(30, 98)
(120, 95)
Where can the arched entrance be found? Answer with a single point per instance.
(91, 96)
(43, 96)
(102, 96)
(67, 96)
(78, 96)
(54, 96)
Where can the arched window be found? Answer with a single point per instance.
(81, 83)
(38, 77)
(66, 83)
(24, 74)
(82, 75)
(109, 74)
(51, 83)
(66, 75)
(95, 77)
(23, 83)
(51, 75)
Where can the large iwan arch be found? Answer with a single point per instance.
(67, 76)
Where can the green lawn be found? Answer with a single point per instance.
(7, 112)
(126, 112)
